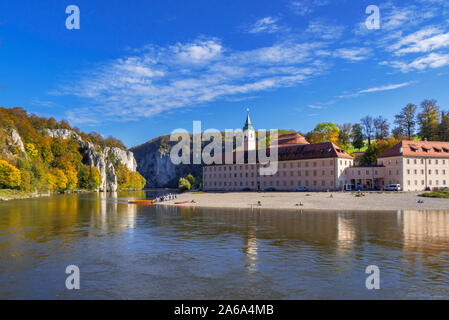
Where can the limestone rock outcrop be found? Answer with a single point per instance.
(103, 160)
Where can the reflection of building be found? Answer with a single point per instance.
(415, 165)
(346, 232)
(423, 227)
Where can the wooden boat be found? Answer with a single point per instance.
(182, 202)
(146, 202)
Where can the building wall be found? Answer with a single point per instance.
(417, 173)
(315, 174)
(412, 173)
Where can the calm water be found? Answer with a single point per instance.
(140, 252)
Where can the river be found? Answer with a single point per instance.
(128, 251)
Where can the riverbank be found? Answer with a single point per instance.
(371, 201)
(9, 194)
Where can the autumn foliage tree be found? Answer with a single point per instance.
(9, 176)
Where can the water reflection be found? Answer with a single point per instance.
(148, 251)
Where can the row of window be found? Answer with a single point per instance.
(313, 173)
(283, 165)
(429, 161)
(437, 182)
(278, 183)
(443, 172)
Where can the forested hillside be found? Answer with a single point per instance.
(42, 154)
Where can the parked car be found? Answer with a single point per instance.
(393, 187)
(302, 189)
(270, 189)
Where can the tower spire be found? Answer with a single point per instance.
(248, 124)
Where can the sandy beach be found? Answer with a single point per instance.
(372, 201)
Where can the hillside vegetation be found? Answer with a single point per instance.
(31, 161)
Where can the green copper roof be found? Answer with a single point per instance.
(248, 124)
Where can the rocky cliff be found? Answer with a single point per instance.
(154, 164)
(102, 159)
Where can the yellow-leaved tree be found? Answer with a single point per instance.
(9, 175)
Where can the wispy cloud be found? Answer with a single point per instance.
(353, 54)
(265, 25)
(306, 7)
(389, 87)
(161, 79)
(325, 30)
(432, 60)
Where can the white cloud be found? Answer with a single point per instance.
(432, 60)
(385, 88)
(316, 107)
(160, 79)
(389, 87)
(352, 54)
(424, 40)
(267, 25)
(325, 30)
(306, 7)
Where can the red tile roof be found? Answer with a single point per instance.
(303, 152)
(292, 138)
(428, 149)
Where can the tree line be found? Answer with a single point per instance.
(375, 135)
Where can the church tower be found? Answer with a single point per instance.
(249, 135)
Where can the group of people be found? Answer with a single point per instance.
(167, 197)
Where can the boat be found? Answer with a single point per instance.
(182, 202)
(146, 202)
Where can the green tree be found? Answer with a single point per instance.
(370, 156)
(191, 179)
(184, 185)
(443, 127)
(428, 120)
(344, 136)
(406, 121)
(329, 131)
(358, 139)
(94, 178)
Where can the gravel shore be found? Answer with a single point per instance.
(371, 201)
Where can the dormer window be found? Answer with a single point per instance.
(437, 150)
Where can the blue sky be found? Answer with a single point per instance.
(142, 69)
